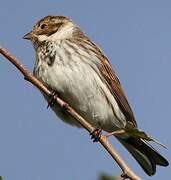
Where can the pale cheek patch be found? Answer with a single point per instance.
(42, 38)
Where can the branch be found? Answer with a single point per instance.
(127, 172)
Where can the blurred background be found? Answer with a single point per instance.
(136, 37)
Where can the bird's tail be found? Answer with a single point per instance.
(144, 154)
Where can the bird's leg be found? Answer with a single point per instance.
(119, 132)
(51, 99)
(96, 134)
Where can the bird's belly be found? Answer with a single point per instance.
(82, 88)
(93, 107)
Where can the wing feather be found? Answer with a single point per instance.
(110, 78)
(114, 84)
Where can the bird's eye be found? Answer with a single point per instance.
(43, 26)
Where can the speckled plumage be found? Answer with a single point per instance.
(78, 85)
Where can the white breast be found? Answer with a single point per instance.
(77, 79)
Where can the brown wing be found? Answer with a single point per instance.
(111, 79)
(117, 90)
(113, 84)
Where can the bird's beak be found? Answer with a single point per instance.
(28, 36)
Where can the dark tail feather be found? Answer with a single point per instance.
(145, 154)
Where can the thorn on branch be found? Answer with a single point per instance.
(26, 78)
(124, 175)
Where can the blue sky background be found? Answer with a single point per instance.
(136, 36)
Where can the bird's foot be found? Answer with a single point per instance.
(96, 134)
(51, 99)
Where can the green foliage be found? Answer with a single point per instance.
(104, 176)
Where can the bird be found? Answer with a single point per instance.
(69, 63)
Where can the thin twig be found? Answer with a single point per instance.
(127, 172)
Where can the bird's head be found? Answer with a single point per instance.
(52, 28)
